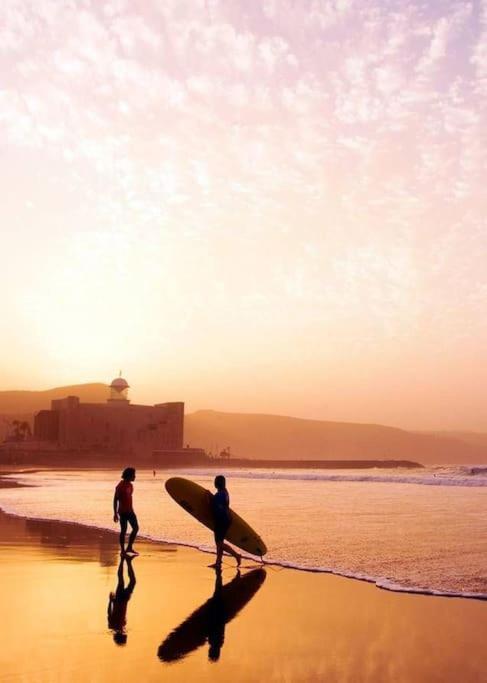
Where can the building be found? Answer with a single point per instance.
(115, 426)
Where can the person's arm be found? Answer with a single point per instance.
(115, 506)
(227, 500)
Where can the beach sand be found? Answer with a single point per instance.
(266, 625)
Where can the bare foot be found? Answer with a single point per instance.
(215, 565)
(131, 551)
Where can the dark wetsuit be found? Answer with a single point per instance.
(220, 503)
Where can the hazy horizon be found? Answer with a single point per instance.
(271, 207)
(207, 408)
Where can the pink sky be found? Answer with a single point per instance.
(268, 206)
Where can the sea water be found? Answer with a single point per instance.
(420, 530)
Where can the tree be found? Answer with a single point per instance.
(20, 430)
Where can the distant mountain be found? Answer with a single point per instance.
(32, 401)
(289, 438)
(22, 405)
(275, 437)
(474, 438)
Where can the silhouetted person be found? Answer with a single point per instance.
(117, 603)
(207, 623)
(220, 506)
(123, 510)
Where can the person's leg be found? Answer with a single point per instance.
(219, 553)
(228, 549)
(131, 573)
(133, 534)
(121, 582)
(224, 547)
(123, 531)
(219, 531)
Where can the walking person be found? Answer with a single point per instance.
(220, 505)
(123, 511)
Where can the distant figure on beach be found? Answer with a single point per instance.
(117, 602)
(220, 505)
(153, 473)
(123, 510)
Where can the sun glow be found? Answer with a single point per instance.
(214, 207)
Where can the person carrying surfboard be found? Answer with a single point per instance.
(123, 510)
(220, 506)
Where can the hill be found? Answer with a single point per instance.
(275, 437)
(31, 401)
(475, 438)
(21, 405)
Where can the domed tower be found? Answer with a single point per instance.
(119, 391)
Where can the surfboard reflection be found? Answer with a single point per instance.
(208, 622)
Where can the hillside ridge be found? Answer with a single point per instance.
(278, 437)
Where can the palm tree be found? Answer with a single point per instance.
(21, 430)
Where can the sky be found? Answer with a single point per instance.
(249, 205)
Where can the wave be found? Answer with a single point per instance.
(459, 477)
(478, 470)
(379, 582)
(434, 475)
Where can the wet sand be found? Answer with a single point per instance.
(178, 623)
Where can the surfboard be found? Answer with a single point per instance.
(196, 501)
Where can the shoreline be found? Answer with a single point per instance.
(180, 622)
(93, 461)
(376, 583)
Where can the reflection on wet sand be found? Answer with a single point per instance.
(208, 622)
(73, 541)
(117, 602)
(54, 621)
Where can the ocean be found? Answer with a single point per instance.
(420, 530)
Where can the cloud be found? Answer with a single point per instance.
(352, 127)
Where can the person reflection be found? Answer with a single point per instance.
(217, 618)
(208, 622)
(117, 602)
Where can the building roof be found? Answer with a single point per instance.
(119, 383)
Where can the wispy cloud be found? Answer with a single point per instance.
(334, 149)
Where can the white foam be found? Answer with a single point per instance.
(430, 565)
(429, 478)
(384, 584)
